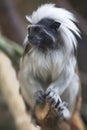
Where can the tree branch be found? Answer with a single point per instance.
(9, 86)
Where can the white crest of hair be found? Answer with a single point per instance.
(61, 15)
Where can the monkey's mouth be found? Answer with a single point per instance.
(41, 43)
(34, 41)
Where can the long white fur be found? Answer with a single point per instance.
(61, 15)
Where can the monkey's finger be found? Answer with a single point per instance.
(48, 91)
(39, 96)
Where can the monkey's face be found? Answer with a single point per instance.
(44, 34)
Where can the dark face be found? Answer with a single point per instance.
(44, 34)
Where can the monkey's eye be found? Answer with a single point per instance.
(55, 25)
(35, 29)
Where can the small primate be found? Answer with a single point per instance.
(48, 74)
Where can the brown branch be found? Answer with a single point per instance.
(9, 86)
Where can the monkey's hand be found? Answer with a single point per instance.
(56, 103)
(40, 97)
(53, 98)
(63, 111)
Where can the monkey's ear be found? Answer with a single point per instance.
(55, 25)
(28, 19)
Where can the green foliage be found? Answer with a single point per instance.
(12, 49)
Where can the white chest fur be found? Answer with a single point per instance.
(44, 66)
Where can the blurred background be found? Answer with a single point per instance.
(13, 27)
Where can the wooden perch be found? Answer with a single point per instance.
(9, 86)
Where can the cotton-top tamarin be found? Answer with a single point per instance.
(48, 69)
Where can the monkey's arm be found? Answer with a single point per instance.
(63, 80)
(30, 88)
(67, 85)
(29, 85)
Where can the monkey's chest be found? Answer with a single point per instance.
(45, 72)
(45, 68)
